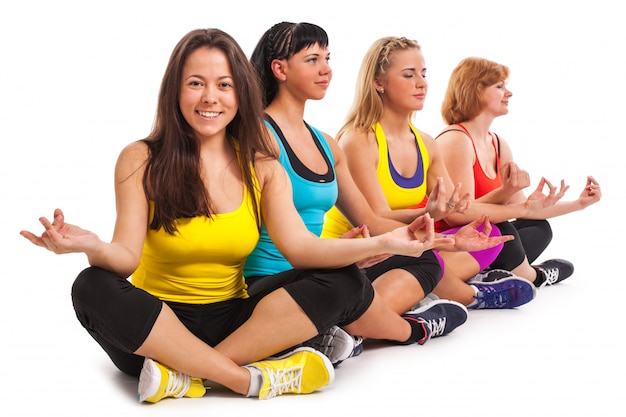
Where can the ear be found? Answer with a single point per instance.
(278, 69)
(378, 85)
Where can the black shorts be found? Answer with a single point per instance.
(426, 269)
(119, 316)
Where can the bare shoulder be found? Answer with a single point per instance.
(132, 158)
(267, 168)
(452, 133)
(425, 136)
(335, 149)
(357, 140)
(453, 137)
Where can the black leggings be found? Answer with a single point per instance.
(426, 269)
(120, 316)
(532, 237)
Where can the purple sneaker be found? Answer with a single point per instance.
(508, 292)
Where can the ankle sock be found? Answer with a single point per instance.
(256, 380)
(541, 277)
(474, 301)
(418, 333)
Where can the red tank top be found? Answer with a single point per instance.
(482, 183)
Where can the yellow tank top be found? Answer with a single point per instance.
(203, 261)
(400, 192)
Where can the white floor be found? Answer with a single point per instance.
(79, 83)
(561, 355)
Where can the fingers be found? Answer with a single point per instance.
(504, 238)
(443, 240)
(562, 190)
(50, 237)
(487, 227)
(59, 219)
(438, 194)
(36, 240)
(361, 230)
(551, 187)
(424, 222)
(372, 260)
(438, 185)
(420, 222)
(592, 184)
(465, 203)
(507, 170)
(542, 183)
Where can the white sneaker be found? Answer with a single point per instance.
(335, 343)
(490, 275)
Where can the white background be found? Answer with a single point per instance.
(79, 80)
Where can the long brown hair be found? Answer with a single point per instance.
(172, 176)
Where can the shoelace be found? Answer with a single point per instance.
(177, 384)
(358, 346)
(284, 380)
(491, 297)
(552, 275)
(437, 326)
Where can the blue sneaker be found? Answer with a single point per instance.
(358, 346)
(507, 292)
(440, 317)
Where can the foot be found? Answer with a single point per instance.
(439, 317)
(428, 298)
(157, 381)
(508, 292)
(302, 371)
(555, 271)
(490, 275)
(335, 343)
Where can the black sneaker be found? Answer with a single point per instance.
(439, 316)
(555, 271)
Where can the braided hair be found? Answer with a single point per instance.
(282, 41)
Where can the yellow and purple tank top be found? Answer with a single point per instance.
(401, 192)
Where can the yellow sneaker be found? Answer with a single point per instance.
(157, 381)
(301, 371)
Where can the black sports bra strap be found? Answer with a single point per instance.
(468, 135)
(498, 141)
(451, 130)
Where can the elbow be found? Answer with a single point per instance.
(296, 261)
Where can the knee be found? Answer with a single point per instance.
(88, 284)
(80, 288)
(547, 230)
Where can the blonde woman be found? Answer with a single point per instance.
(396, 167)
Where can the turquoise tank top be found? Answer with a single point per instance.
(313, 196)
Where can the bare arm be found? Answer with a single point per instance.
(304, 250)
(122, 254)
(351, 201)
(508, 201)
(591, 194)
